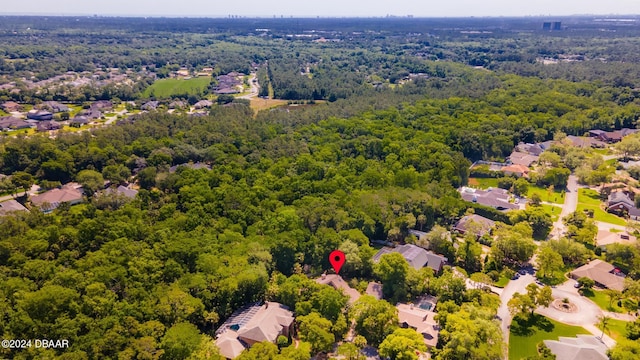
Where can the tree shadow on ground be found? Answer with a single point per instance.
(523, 325)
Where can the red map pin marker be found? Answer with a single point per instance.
(336, 258)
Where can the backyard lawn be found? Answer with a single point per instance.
(590, 200)
(165, 88)
(602, 300)
(483, 183)
(557, 196)
(525, 335)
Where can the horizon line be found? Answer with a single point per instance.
(283, 16)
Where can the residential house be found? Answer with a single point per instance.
(91, 113)
(531, 149)
(516, 170)
(203, 104)
(416, 256)
(52, 106)
(48, 125)
(337, 282)
(611, 136)
(582, 347)
(421, 320)
(48, 201)
(194, 166)
(177, 104)
(11, 206)
(102, 105)
(604, 274)
(13, 123)
(585, 142)
(11, 106)
(150, 105)
(79, 121)
(252, 324)
(40, 115)
(620, 203)
(605, 238)
(520, 158)
(493, 197)
(481, 225)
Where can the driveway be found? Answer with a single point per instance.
(587, 314)
(514, 286)
(254, 88)
(570, 205)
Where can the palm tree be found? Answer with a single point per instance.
(604, 324)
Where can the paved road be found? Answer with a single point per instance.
(255, 87)
(608, 226)
(570, 205)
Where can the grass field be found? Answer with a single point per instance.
(602, 300)
(165, 88)
(483, 183)
(590, 200)
(525, 335)
(258, 104)
(557, 196)
(617, 328)
(502, 282)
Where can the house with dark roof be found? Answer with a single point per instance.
(621, 204)
(203, 104)
(150, 105)
(48, 125)
(480, 225)
(13, 123)
(493, 197)
(416, 256)
(52, 106)
(531, 149)
(40, 115)
(611, 136)
(253, 324)
(11, 206)
(604, 274)
(79, 121)
(102, 105)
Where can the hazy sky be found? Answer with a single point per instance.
(268, 8)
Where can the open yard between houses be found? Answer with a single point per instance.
(556, 196)
(165, 88)
(590, 200)
(526, 334)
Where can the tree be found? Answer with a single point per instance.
(548, 261)
(316, 330)
(628, 146)
(510, 247)
(392, 270)
(603, 323)
(469, 332)
(469, 253)
(22, 180)
(586, 283)
(90, 180)
(180, 341)
(624, 350)
(521, 187)
(350, 351)
(402, 344)
(375, 319)
(535, 199)
(260, 351)
(527, 303)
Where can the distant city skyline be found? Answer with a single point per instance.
(327, 8)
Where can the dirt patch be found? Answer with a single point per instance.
(474, 182)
